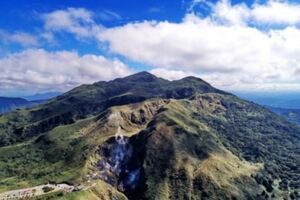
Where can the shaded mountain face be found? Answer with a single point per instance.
(142, 137)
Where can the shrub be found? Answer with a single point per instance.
(47, 189)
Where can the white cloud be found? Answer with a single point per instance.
(49, 37)
(108, 15)
(171, 74)
(272, 13)
(22, 38)
(195, 3)
(279, 12)
(37, 69)
(226, 13)
(78, 21)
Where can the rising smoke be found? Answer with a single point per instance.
(115, 168)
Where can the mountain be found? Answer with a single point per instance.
(9, 103)
(40, 96)
(290, 100)
(143, 137)
(292, 115)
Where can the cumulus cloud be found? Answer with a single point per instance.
(225, 13)
(171, 74)
(37, 69)
(279, 12)
(22, 38)
(78, 21)
(273, 13)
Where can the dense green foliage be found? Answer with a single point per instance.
(47, 189)
(257, 135)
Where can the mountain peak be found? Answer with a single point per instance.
(144, 73)
(193, 78)
(142, 76)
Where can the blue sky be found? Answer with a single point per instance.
(55, 45)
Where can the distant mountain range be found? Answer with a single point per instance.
(292, 115)
(289, 100)
(39, 96)
(285, 104)
(8, 104)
